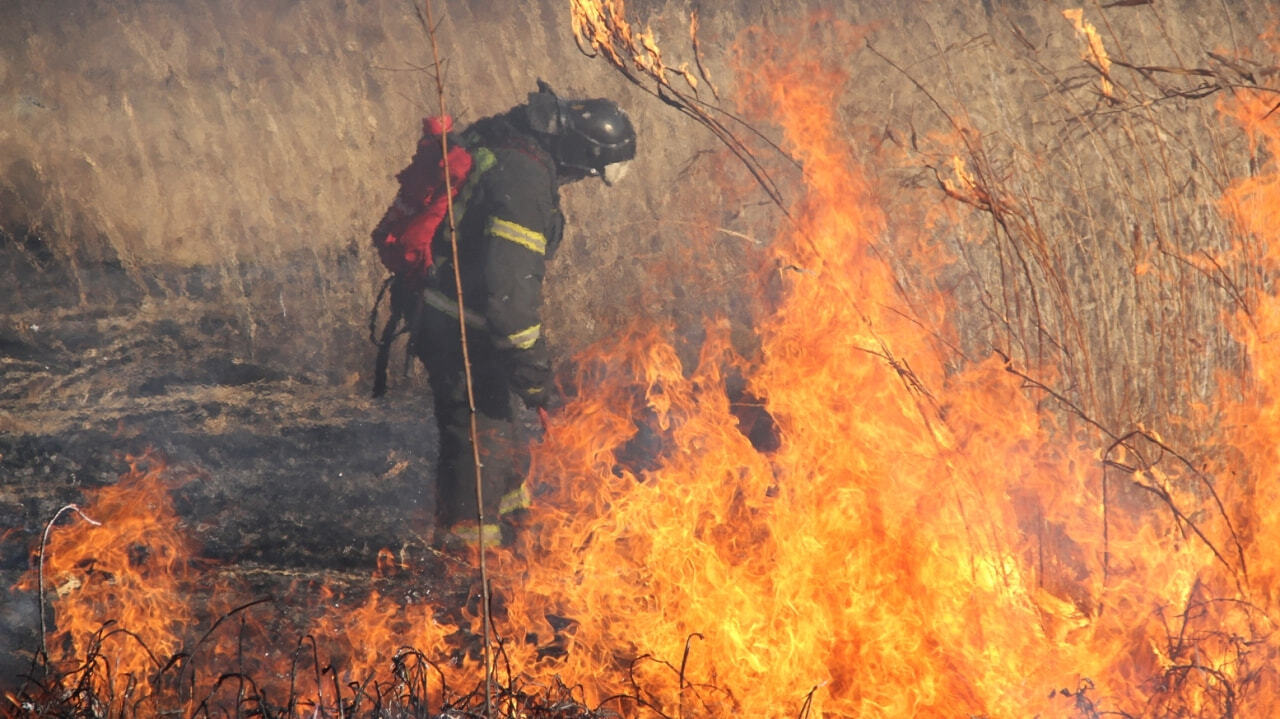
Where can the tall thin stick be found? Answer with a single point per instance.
(487, 619)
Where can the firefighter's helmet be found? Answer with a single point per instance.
(589, 138)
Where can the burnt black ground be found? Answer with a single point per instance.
(294, 470)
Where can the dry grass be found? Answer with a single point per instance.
(252, 145)
(1097, 257)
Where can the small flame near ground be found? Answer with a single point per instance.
(923, 542)
(124, 574)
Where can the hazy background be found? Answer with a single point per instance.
(158, 153)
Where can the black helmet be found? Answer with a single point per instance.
(590, 138)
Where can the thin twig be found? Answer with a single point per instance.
(1037, 384)
(1241, 573)
(684, 663)
(429, 26)
(697, 53)
(606, 34)
(808, 704)
(44, 649)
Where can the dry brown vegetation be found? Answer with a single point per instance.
(186, 191)
(241, 153)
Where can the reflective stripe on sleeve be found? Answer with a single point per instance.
(515, 500)
(525, 338)
(519, 234)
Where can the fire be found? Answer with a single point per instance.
(1249, 414)
(1095, 52)
(601, 26)
(117, 588)
(924, 541)
(140, 627)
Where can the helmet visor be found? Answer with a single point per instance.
(615, 171)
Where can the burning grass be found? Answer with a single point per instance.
(935, 532)
(135, 631)
(412, 686)
(140, 627)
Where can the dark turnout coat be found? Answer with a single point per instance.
(509, 225)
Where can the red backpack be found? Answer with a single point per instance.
(404, 236)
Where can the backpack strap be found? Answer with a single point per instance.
(527, 146)
(388, 335)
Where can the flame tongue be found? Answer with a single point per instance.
(922, 542)
(120, 591)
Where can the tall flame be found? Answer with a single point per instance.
(1250, 415)
(924, 540)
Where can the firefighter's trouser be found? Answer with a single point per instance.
(502, 437)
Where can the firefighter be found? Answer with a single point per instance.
(509, 225)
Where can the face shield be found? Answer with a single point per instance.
(615, 172)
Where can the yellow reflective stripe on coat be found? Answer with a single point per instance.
(514, 501)
(519, 234)
(525, 338)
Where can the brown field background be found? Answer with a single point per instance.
(161, 154)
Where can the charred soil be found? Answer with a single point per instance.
(286, 473)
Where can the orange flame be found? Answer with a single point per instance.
(924, 541)
(117, 588)
(1094, 52)
(1251, 417)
